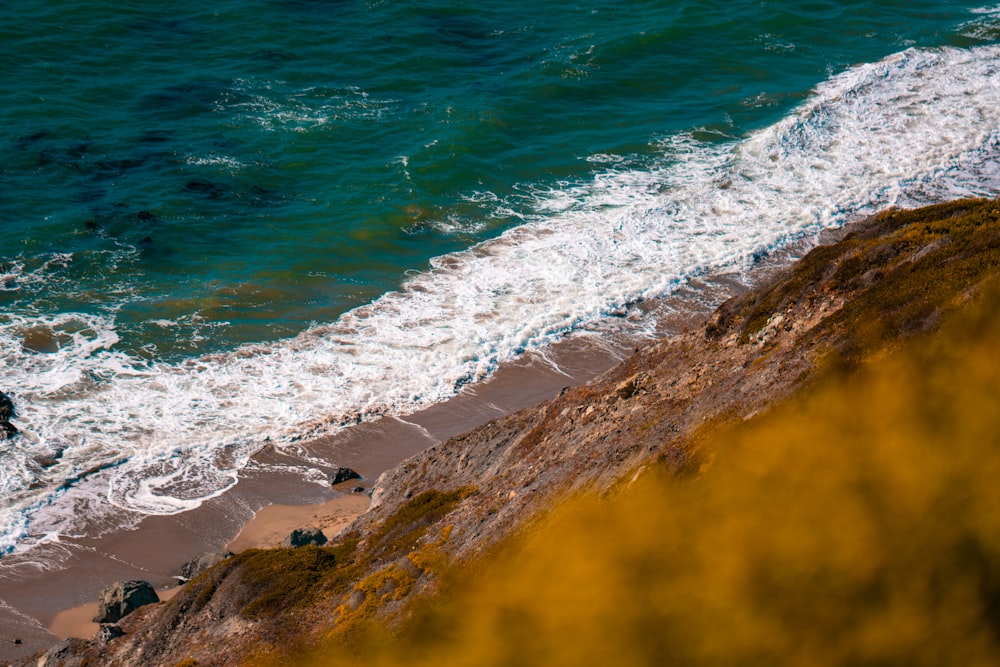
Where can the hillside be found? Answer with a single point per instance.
(790, 389)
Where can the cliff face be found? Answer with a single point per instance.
(891, 277)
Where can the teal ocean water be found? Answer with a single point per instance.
(230, 223)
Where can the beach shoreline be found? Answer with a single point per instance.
(41, 607)
(159, 545)
(273, 488)
(265, 530)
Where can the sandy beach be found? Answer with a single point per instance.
(271, 499)
(268, 527)
(274, 523)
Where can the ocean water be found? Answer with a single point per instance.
(235, 223)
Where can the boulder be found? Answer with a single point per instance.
(122, 598)
(339, 474)
(202, 562)
(107, 632)
(301, 537)
(199, 564)
(6, 407)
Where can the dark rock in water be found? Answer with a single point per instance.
(109, 631)
(6, 412)
(302, 537)
(199, 564)
(146, 216)
(122, 598)
(338, 475)
(6, 407)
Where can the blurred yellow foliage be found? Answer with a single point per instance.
(858, 523)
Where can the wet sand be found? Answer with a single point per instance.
(79, 621)
(274, 523)
(268, 527)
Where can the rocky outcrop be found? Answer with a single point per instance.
(109, 631)
(889, 277)
(199, 564)
(302, 537)
(340, 475)
(69, 653)
(122, 598)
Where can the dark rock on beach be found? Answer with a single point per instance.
(302, 537)
(340, 475)
(122, 598)
(199, 564)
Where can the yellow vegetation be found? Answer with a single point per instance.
(858, 523)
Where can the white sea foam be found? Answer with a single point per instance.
(918, 127)
(985, 25)
(274, 105)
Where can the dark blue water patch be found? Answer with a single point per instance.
(186, 101)
(29, 139)
(155, 136)
(320, 8)
(270, 56)
(163, 28)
